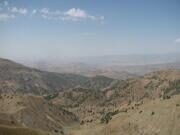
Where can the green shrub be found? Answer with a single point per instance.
(108, 116)
(51, 96)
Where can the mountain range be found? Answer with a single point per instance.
(46, 102)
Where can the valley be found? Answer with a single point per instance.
(40, 102)
(89, 67)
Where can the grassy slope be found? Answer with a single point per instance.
(33, 112)
(164, 121)
(5, 130)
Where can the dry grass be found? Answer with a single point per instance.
(5, 130)
(157, 117)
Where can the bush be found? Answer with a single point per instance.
(166, 97)
(51, 96)
(82, 122)
(108, 116)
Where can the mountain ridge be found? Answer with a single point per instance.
(16, 77)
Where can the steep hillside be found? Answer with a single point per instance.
(90, 105)
(33, 112)
(97, 82)
(153, 117)
(7, 130)
(63, 101)
(16, 77)
(157, 84)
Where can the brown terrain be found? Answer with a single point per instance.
(32, 101)
(34, 112)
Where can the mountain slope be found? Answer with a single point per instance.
(16, 77)
(7, 130)
(72, 99)
(33, 112)
(155, 117)
(89, 105)
(153, 85)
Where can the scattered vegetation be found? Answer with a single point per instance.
(108, 116)
(51, 96)
(174, 88)
(140, 111)
(152, 113)
(166, 97)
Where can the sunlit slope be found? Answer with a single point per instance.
(157, 117)
(33, 112)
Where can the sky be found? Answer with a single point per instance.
(40, 29)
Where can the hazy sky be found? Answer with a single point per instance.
(61, 28)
